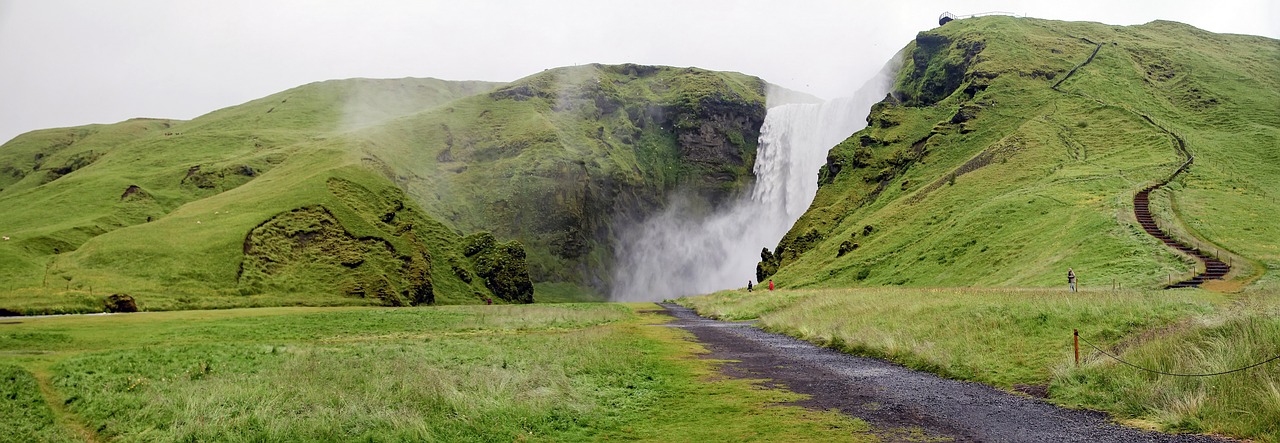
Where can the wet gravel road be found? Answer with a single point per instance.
(893, 398)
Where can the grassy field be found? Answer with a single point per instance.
(1022, 340)
(479, 373)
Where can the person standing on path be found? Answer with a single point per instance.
(771, 284)
(748, 285)
(1071, 279)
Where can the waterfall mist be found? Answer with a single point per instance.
(678, 252)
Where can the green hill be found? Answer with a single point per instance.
(299, 197)
(976, 171)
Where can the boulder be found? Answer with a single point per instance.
(121, 303)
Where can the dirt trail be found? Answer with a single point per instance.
(59, 409)
(896, 399)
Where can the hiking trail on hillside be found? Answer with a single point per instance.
(1214, 268)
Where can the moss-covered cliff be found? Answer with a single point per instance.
(561, 159)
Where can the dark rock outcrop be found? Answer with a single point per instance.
(120, 303)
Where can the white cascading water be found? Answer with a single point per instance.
(674, 254)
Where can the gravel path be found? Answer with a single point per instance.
(895, 399)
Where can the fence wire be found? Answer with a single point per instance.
(1113, 357)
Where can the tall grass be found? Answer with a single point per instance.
(1244, 404)
(442, 388)
(735, 305)
(997, 336)
(1011, 337)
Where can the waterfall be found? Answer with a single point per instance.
(674, 253)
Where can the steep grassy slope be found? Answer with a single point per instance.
(254, 204)
(977, 172)
(563, 159)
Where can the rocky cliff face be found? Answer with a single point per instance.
(723, 143)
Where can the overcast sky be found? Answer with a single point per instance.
(67, 63)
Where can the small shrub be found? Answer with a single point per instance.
(885, 173)
(866, 230)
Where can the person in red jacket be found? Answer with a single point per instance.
(771, 284)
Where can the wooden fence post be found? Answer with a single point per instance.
(1076, 335)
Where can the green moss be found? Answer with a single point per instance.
(478, 243)
(502, 266)
(937, 65)
(308, 250)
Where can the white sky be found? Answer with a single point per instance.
(69, 62)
